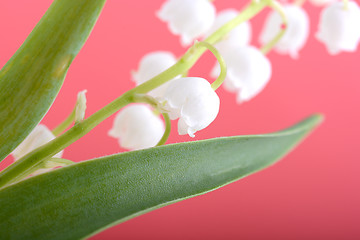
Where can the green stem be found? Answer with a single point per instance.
(143, 98)
(20, 167)
(277, 7)
(217, 83)
(48, 163)
(152, 101)
(24, 166)
(166, 135)
(80, 106)
(57, 162)
(65, 124)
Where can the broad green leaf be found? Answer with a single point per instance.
(32, 78)
(79, 200)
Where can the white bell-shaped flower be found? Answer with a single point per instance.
(151, 65)
(137, 127)
(248, 72)
(296, 32)
(339, 27)
(193, 101)
(188, 18)
(239, 36)
(321, 2)
(38, 137)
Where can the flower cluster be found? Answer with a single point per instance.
(248, 69)
(192, 100)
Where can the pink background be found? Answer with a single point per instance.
(313, 193)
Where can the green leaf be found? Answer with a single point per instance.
(32, 78)
(79, 200)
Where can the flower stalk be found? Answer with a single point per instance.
(156, 105)
(270, 45)
(217, 83)
(65, 124)
(26, 164)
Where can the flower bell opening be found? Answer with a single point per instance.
(193, 102)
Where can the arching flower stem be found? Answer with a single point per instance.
(142, 98)
(217, 83)
(277, 7)
(20, 168)
(166, 135)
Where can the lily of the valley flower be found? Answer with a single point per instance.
(188, 18)
(239, 36)
(193, 101)
(137, 127)
(38, 137)
(339, 27)
(248, 72)
(296, 33)
(151, 65)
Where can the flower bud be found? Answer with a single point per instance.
(248, 72)
(339, 27)
(137, 127)
(38, 137)
(296, 32)
(188, 18)
(193, 101)
(151, 65)
(239, 36)
(80, 107)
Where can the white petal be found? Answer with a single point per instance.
(180, 89)
(38, 137)
(239, 36)
(248, 72)
(151, 65)
(230, 86)
(193, 101)
(215, 71)
(182, 127)
(137, 127)
(188, 18)
(339, 27)
(296, 33)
